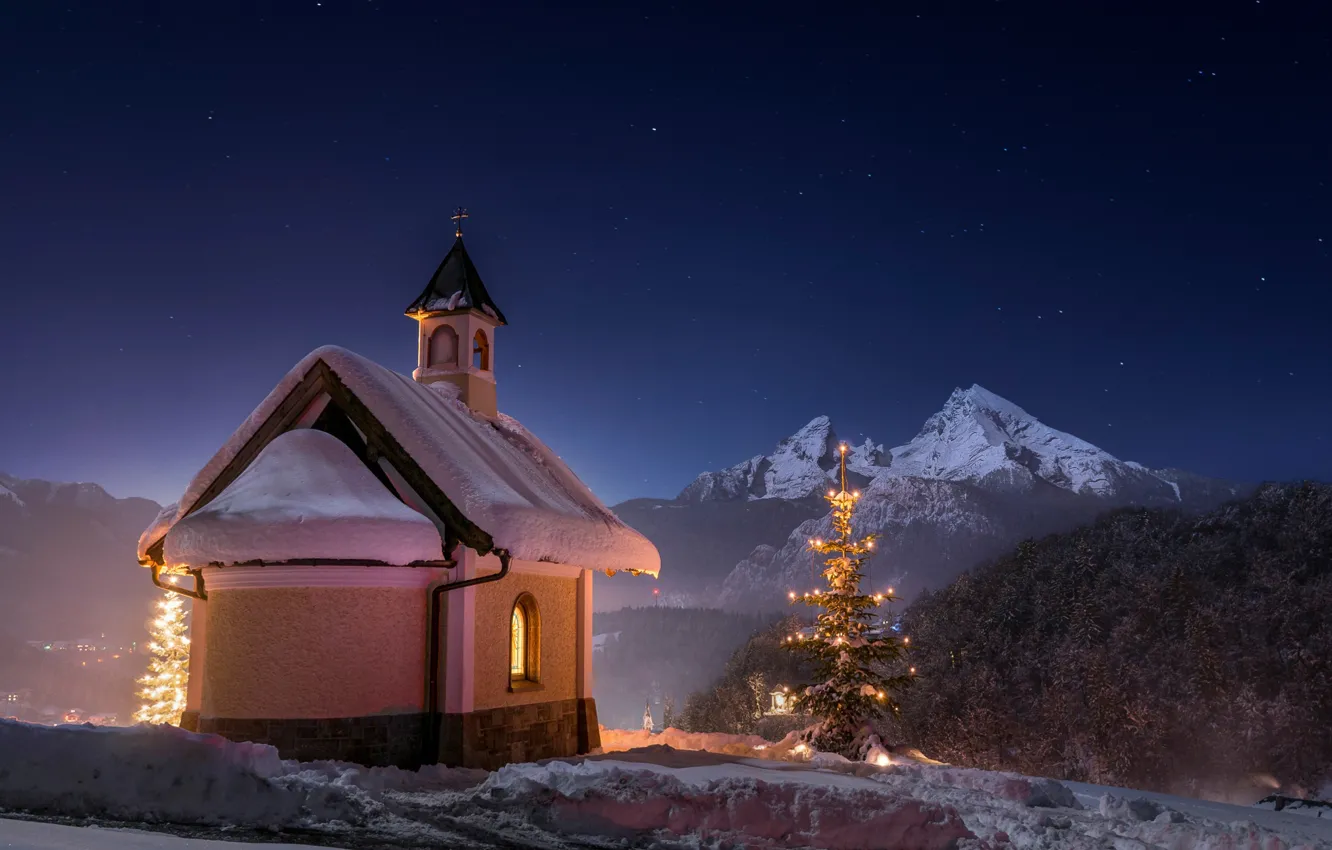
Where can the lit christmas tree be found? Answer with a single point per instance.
(163, 687)
(850, 650)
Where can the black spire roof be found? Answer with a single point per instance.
(454, 287)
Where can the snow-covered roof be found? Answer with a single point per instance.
(305, 496)
(498, 476)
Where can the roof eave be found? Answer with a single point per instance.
(419, 314)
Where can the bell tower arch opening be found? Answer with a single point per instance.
(480, 351)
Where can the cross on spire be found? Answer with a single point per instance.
(458, 215)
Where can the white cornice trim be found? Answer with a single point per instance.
(250, 578)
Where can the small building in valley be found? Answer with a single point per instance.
(387, 570)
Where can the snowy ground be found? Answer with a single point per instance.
(37, 835)
(199, 786)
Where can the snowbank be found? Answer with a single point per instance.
(613, 740)
(788, 748)
(35, 835)
(652, 796)
(622, 800)
(305, 496)
(1028, 812)
(1042, 813)
(164, 774)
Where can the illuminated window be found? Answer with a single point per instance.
(481, 351)
(518, 645)
(524, 640)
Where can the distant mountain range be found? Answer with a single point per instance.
(67, 568)
(981, 475)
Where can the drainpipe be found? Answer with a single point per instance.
(198, 593)
(431, 756)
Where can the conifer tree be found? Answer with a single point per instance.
(669, 716)
(163, 687)
(852, 653)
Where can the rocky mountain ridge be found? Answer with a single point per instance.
(977, 437)
(980, 475)
(67, 563)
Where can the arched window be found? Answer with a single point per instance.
(481, 351)
(518, 644)
(443, 347)
(524, 641)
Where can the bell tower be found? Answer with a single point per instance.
(456, 320)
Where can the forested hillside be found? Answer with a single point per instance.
(1149, 650)
(738, 701)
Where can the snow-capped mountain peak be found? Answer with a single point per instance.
(979, 435)
(801, 465)
(812, 442)
(981, 474)
(35, 490)
(983, 398)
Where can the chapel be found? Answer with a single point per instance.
(387, 570)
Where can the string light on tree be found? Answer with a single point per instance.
(850, 653)
(163, 687)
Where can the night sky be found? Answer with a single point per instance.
(705, 227)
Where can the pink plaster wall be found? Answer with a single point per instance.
(314, 652)
(557, 602)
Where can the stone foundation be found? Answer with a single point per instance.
(492, 738)
(589, 728)
(396, 740)
(486, 739)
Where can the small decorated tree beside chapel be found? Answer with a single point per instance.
(163, 687)
(851, 652)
